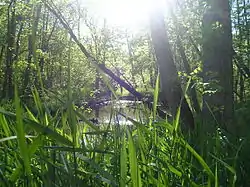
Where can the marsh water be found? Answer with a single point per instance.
(118, 112)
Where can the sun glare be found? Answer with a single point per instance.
(126, 13)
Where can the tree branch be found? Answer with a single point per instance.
(99, 66)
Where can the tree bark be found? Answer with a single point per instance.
(171, 92)
(217, 62)
(8, 87)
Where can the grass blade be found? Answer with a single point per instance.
(40, 128)
(21, 135)
(133, 164)
(123, 163)
(14, 137)
(156, 94)
(199, 158)
(231, 169)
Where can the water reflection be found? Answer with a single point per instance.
(118, 112)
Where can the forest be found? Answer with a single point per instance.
(125, 93)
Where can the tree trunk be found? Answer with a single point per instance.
(8, 87)
(32, 47)
(171, 92)
(217, 62)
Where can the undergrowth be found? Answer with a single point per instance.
(63, 148)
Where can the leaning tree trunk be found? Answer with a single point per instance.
(217, 62)
(171, 92)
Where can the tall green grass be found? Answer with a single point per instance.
(41, 149)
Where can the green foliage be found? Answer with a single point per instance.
(46, 140)
(145, 154)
